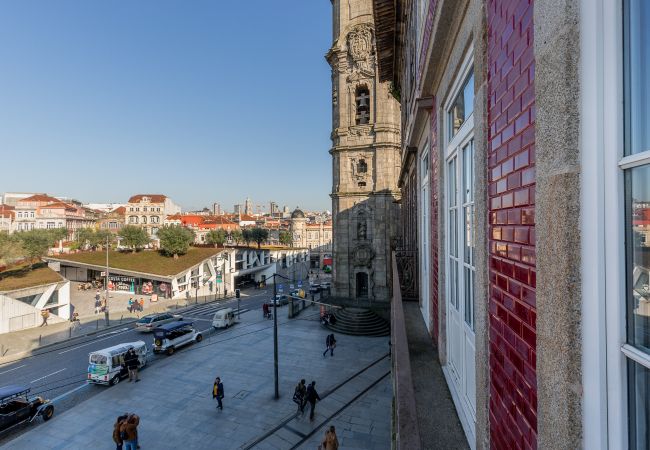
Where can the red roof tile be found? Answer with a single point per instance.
(154, 198)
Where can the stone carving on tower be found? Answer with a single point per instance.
(366, 158)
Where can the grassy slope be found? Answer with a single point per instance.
(144, 261)
(21, 277)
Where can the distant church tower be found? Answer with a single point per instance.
(366, 158)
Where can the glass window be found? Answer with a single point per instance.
(637, 216)
(639, 405)
(463, 105)
(637, 76)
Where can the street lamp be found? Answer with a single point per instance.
(275, 333)
(106, 317)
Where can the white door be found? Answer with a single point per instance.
(461, 272)
(425, 235)
(460, 280)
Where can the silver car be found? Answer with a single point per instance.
(148, 323)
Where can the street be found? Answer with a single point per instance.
(59, 372)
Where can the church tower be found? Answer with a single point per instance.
(365, 155)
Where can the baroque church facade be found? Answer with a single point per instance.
(366, 158)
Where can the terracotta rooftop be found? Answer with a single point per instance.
(39, 198)
(154, 198)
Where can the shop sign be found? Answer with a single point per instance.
(120, 278)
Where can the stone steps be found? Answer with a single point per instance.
(359, 322)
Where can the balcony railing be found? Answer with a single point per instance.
(406, 431)
(406, 262)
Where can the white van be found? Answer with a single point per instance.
(107, 366)
(223, 318)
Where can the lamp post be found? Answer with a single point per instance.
(275, 334)
(106, 317)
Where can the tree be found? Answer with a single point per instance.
(247, 236)
(285, 238)
(237, 236)
(175, 240)
(85, 237)
(133, 237)
(100, 237)
(10, 248)
(216, 237)
(259, 235)
(36, 243)
(58, 234)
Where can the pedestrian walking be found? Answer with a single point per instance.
(330, 441)
(45, 314)
(117, 435)
(103, 305)
(217, 392)
(131, 361)
(142, 304)
(312, 396)
(265, 310)
(299, 395)
(129, 432)
(330, 344)
(130, 308)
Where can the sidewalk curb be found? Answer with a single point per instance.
(25, 353)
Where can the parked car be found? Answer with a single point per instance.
(107, 366)
(280, 299)
(170, 336)
(314, 289)
(325, 285)
(17, 407)
(151, 321)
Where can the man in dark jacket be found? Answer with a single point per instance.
(312, 396)
(299, 395)
(131, 362)
(217, 392)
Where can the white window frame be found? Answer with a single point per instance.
(455, 144)
(424, 225)
(604, 290)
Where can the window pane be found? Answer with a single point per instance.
(637, 182)
(451, 191)
(468, 93)
(639, 406)
(469, 297)
(462, 107)
(637, 76)
(453, 287)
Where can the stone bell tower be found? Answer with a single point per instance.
(366, 158)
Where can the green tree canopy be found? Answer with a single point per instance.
(36, 243)
(259, 235)
(10, 248)
(237, 236)
(85, 237)
(285, 238)
(175, 240)
(133, 237)
(216, 237)
(247, 236)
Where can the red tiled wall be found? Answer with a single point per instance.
(511, 166)
(433, 275)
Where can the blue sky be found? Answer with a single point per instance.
(201, 100)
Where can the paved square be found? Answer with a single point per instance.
(176, 408)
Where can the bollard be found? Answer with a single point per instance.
(97, 324)
(69, 332)
(39, 339)
(121, 317)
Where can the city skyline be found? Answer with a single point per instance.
(161, 98)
